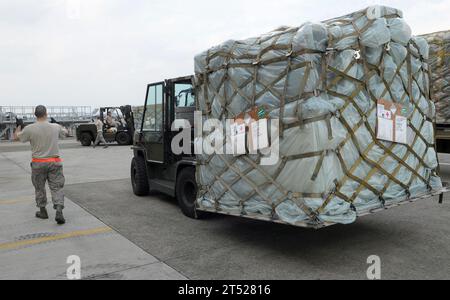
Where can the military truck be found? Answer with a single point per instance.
(122, 133)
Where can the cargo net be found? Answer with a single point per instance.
(440, 66)
(323, 82)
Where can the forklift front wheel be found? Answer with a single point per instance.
(187, 193)
(86, 139)
(123, 138)
(139, 178)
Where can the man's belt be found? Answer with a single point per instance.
(47, 160)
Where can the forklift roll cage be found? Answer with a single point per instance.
(152, 142)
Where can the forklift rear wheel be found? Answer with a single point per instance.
(86, 139)
(187, 193)
(123, 138)
(139, 178)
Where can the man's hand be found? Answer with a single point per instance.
(17, 132)
(19, 123)
(63, 133)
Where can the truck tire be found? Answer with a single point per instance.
(123, 138)
(186, 192)
(139, 177)
(86, 139)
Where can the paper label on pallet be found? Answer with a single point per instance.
(258, 135)
(385, 129)
(392, 124)
(238, 137)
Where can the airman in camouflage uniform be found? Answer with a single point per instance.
(46, 163)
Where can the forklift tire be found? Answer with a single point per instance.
(139, 178)
(186, 191)
(86, 139)
(123, 138)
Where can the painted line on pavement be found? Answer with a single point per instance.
(64, 236)
(16, 200)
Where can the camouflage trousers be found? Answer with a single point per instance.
(53, 174)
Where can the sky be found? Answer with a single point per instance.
(105, 52)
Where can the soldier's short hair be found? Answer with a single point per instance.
(40, 111)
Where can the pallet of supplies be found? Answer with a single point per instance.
(355, 128)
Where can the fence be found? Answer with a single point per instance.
(59, 113)
(69, 116)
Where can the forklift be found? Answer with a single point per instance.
(154, 166)
(122, 134)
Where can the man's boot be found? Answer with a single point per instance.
(42, 214)
(59, 215)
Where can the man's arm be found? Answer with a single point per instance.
(63, 132)
(17, 131)
(22, 135)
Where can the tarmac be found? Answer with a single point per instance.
(117, 235)
(37, 249)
